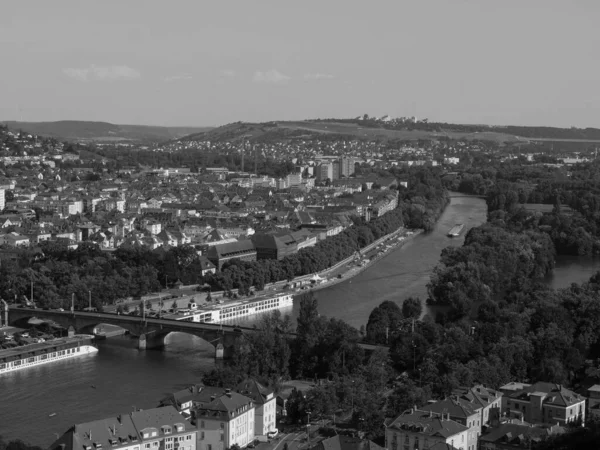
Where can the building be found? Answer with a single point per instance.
(462, 411)
(488, 400)
(594, 400)
(385, 205)
(511, 436)
(220, 254)
(347, 166)
(2, 199)
(274, 246)
(324, 172)
(543, 403)
(294, 179)
(159, 428)
(224, 420)
(265, 404)
(422, 430)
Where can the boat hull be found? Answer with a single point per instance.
(18, 364)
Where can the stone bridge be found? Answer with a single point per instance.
(151, 332)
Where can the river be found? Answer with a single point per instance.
(120, 377)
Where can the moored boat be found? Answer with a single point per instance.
(456, 230)
(19, 358)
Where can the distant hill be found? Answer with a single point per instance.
(330, 129)
(276, 131)
(76, 130)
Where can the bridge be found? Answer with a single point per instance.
(151, 332)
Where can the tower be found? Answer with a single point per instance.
(243, 153)
(255, 161)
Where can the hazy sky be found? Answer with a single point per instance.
(210, 62)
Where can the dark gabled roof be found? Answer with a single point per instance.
(454, 406)
(427, 424)
(510, 432)
(241, 247)
(253, 389)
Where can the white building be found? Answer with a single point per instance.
(265, 405)
(2, 199)
(422, 430)
(227, 419)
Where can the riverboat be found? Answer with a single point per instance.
(23, 357)
(456, 230)
(234, 310)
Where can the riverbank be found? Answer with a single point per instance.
(354, 269)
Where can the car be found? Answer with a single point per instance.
(273, 434)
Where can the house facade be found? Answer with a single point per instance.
(152, 429)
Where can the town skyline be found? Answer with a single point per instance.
(186, 64)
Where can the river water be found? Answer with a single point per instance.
(119, 377)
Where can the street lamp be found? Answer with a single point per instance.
(308, 429)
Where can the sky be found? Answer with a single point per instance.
(210, 62)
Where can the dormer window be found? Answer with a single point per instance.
(166, 429)
(88, 447)
(97, 445)
(179, 427)
(113, 442)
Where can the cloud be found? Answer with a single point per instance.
(270, 76)
(318, 76)
(181, 77)
(102, 73)
(228, 73)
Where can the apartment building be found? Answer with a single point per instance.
(347, 166)
(461, 411)
(323, 172)
(423, 430)
(152, 429)
(226, 419)
(2, 199)
(543, 403)
(265, 405)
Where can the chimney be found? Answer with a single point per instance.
(212, 397)
(62, 446)
(119, 418)
(430, 414)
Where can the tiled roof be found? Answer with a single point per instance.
(425, 423)
(555, 394)
(253, 389)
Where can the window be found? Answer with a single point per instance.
(146, 445)
(155, 444)
(202, 424)
(188, 437)
(222, 426)
(222, 437)
(202, 436)
(209, 447)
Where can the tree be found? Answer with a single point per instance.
(412, 308)
(384, 322)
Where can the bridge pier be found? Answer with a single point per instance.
(148, 341)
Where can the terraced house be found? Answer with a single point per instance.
(152, 429)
